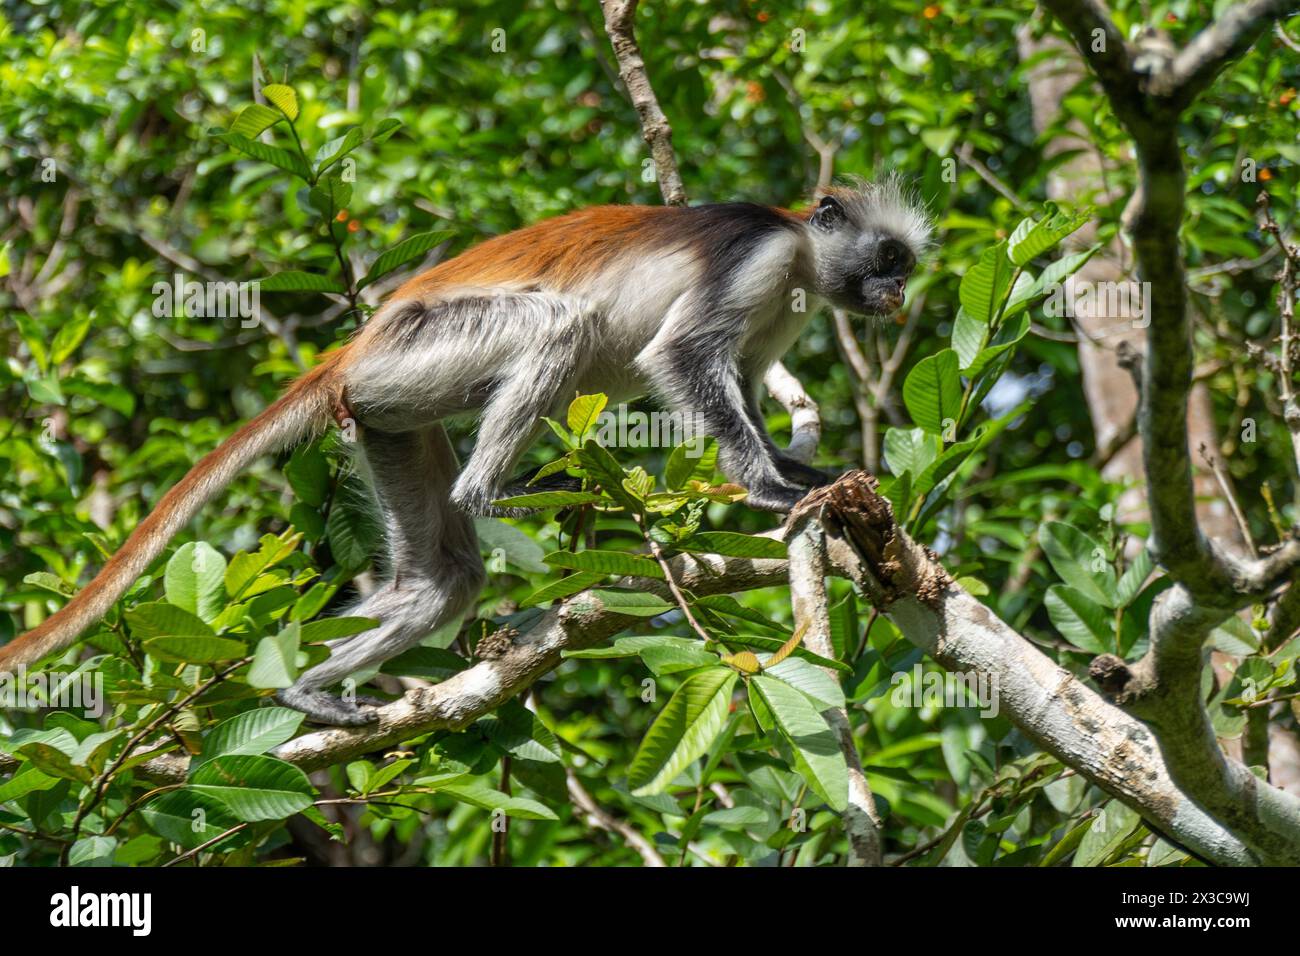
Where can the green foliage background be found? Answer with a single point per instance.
(103, 405)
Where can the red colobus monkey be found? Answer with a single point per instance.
(692, 305)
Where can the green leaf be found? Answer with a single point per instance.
(308, 472)
(479, 794)
(294, 280)
(1009, 333)
(28, 779)
(519, 732)
(351, 530)
(159, 619)
(1055, 273)
(1134, 576)
(606, 562)
(1081, 621)
(282, 98)
(188, 817)
(909, 449)
(682, 731)
(734, 545)
(1031, 239)
(726, 604)
(1109, 829)
(281, 158)
(336, 149)
(69, 336)
(50, 582)
(384, 129)
(195, 579)
(605, 469)
(275, 661)
(52, 761)
(816, 751)
(632, 603)
(194, 649)
(252, 732)
(519, 549)
(550, 499)
(691, 461)
(44, 391)
(1079, 561)
(254, 119)
(254, 787)
(329, 195)
(563, 588)
(402, 253)
(93, 851)
(813, 682)
(631, 646)
(968, 337)
(932, 391)
(583, 413)
(952, 458)
(664, 660)
(985, 283)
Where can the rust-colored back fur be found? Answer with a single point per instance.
(560, 251)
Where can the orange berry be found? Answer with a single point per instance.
(764, 16)
(1171, 18)
(1265, 174)
(932, 11)
(342, 216)
(1286, 97)
(353, 226)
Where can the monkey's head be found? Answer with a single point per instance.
(866, 240)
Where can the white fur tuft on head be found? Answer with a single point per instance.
(887, 204)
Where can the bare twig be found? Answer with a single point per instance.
(620, 17)
(599, 817)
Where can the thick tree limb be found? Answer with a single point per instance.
(808, 570)
(1164, 687)
(1155, 215)
(1051, 706)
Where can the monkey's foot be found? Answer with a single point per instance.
(325, 708)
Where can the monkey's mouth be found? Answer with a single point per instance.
(882, 297)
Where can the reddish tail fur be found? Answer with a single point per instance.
(304, 410)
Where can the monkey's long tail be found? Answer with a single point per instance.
(304, 410)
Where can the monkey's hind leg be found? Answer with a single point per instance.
(435, 571)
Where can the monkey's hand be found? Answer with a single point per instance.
(774, 497)
(805, 476)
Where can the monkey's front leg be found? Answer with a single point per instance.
(709, 386)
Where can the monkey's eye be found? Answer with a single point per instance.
(891, 256)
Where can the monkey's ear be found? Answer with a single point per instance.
(828, 214)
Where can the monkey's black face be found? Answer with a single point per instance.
(877, 288)
(862, 268)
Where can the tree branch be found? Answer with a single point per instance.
(1224, 41)
(620, 17)
(1049, 705)
(808, 570)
